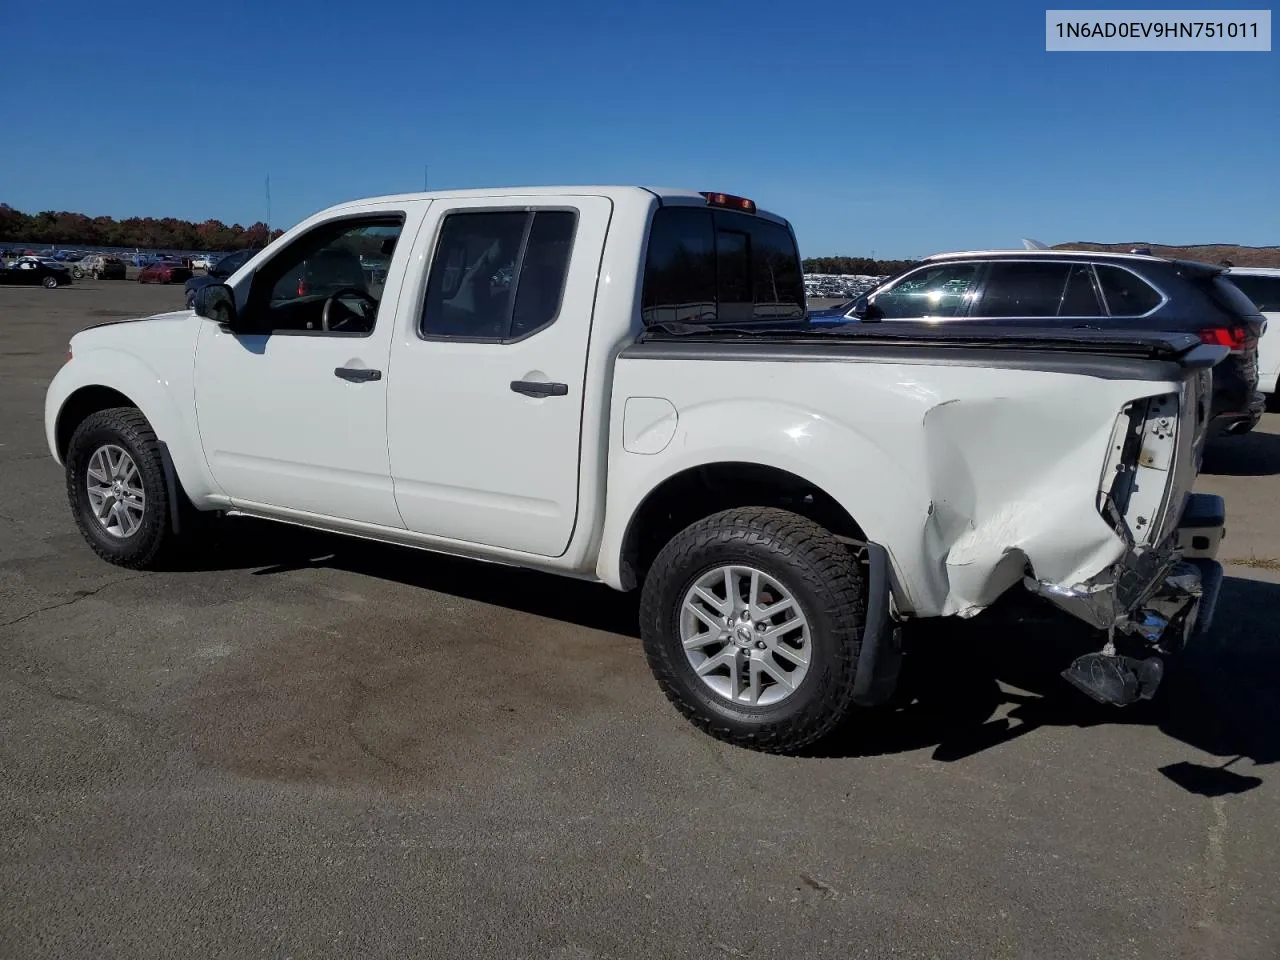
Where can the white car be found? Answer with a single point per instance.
(644, 405)
(203, 262)
(1262, 286)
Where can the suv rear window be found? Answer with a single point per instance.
(717, 266)
(1263, 290)
(1127, 294)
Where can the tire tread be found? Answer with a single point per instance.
(814, 554)
(136, 430)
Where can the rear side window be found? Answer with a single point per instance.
(1127, 294)
(1038, 289)
(705, 266)
(940, 291)
(498, 276)
(1264, 291)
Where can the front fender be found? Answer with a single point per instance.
(166, 403)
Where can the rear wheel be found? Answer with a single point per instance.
(752, 621)
(116, 486)
(77, 273)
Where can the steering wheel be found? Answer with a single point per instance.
(345, 291)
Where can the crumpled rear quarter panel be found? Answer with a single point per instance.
(967, 475)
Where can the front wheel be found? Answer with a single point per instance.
(117, 489)
(77, 273)
(752, 621)
(49, 282)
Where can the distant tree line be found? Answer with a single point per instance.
(76, 229)
(859, 265)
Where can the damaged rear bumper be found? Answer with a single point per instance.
(1166, 595)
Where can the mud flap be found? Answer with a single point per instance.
(171, 486)
(880, 658)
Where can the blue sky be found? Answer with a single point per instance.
(900, 128)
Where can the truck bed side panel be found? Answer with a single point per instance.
(967, 475)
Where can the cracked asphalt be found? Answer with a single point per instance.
(303, 746)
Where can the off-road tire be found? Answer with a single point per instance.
(154, 538)
(819, 571)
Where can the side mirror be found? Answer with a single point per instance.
(866, 311)
(217, 302)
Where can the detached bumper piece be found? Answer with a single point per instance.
(1159, 601)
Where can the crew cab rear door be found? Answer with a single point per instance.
(486, 386)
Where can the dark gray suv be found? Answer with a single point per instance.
(1088, 290)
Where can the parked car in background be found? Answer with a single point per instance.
(164, 271)
(99, 266)
(1077, 289)
(203, 262)
(219, 271)
(32, 272)
(1262, 286)
(37, 258)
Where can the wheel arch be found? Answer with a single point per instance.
(707, 488)
(78, 406)
(101, 379)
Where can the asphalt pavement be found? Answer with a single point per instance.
(305, 746)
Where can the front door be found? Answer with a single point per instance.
(485, 403)
(293, 415)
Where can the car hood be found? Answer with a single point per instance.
(171, 316)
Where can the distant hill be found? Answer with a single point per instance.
(1208, 252)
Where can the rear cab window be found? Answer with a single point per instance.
(711, 266)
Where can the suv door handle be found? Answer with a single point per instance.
(357, 374)
(539, 388)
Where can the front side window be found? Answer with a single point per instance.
(318, 283)
(499, 275)
(1127, 294)
(941, 291)
(1038, 288)
(719, 266)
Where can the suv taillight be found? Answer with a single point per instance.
(1237, 337)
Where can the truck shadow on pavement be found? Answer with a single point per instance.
(971, 686)
(968, 686)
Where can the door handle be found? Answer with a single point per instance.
(357, 374)
(539, 388)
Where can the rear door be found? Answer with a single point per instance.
(1036, 290)
(487, 371)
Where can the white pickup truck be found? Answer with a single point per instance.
(619, 384)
